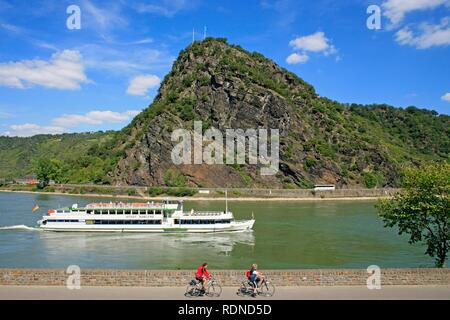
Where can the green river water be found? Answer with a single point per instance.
(286, 235)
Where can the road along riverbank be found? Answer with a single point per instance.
(228, 293)
(235, 194)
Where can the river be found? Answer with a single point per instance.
(286, 235)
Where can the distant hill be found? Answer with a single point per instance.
(82, 158)
(224, 86)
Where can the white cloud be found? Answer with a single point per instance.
(64, 70)
(102, 20)
(395, 10)
(297, 58)
(63, 123)
(142, 41)
(404, 36)
(93, 118)
(11, 28)
(427, 36)
(140, 85)
(316, 42)
(30, 129)
(125, 62)
(167, 8)
(446, 97)
(5, 115)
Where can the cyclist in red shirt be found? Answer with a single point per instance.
(203, 275)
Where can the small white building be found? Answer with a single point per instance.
(324, 187)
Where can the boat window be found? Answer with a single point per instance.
(119, 211)
(119, 222)
(134, 212)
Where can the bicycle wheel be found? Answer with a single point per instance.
(243, 290)
(191, 291)
(267, 289)
(214, 290)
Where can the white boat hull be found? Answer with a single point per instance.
(235, 226)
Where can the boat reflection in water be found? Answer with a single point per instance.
(142, 250)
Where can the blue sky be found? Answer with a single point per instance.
(53, 79)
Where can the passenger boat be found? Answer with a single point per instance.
(167, 216)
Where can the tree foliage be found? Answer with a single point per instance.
(422, 210)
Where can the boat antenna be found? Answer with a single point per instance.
(193, 35)
(204, 33)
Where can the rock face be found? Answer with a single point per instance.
(226, 87)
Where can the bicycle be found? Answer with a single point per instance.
(212, 289)
(265, 288)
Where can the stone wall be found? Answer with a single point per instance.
(152, 278)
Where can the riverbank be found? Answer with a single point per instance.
(232, 278)
(94, 195)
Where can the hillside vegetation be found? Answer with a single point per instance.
(225, 86)
(82, 157)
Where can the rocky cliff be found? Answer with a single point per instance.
(321, 141)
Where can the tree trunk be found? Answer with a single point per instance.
(441, 257)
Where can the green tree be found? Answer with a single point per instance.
(422, 209)
(56, 173)
(48, 169)
(43, 170)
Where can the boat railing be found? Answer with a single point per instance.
(124, 205)
(205, 213)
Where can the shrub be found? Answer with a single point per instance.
(181, 192)
(48, 189)
(173, 179)
(309, 162)
(155, 191)
(373, 179)
(325, 149)
(132, 192)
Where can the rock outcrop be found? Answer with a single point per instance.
(224, 86)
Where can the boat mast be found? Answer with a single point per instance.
(226, 201)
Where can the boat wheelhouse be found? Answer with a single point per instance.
(167, 216)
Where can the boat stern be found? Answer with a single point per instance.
(243, 225)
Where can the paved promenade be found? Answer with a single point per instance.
(177, 293)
